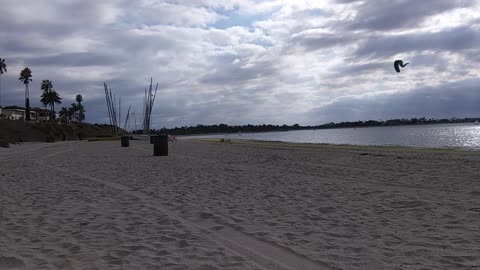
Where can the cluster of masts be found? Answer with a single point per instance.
(114, 109)
(148, 101)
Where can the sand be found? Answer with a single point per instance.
(211, 205)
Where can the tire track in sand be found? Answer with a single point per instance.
(262, 254)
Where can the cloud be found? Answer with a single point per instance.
(383, 15)
(317, 40)
(439, 102)
(453, 40)
(75, 60)
(165, 13)
(245, 61)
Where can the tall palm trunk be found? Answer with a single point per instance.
(27, 109)
(0, 90)
(53, 112)
(27, 103)
(79, 114)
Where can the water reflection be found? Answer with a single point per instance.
(449, 135)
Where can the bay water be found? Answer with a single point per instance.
(433, 136)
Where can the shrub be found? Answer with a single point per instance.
(50, 138)
(4, 144)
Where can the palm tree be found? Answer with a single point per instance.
(44, 98)
(79, 98)
(3, 68)
(63, 114)
(53, 98)
(80, 108)
(81, 113)
(49, 96)
(71, 112)
(26, 78)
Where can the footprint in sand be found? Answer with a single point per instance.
(120, 253)
(10, 262)
(183, 244)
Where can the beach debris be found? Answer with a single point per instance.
(397, 64)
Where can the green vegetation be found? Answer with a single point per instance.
(50, 97)
(4, 144)
(20, 131)
(46, 87)
(79, 110)
(64, 115)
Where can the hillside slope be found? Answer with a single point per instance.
(20, 131)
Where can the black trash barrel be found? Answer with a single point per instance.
(125, 141)
(160, 145)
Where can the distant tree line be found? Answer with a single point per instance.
(223, 128)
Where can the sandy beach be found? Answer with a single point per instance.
(212, 205)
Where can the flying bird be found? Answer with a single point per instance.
(399, 63)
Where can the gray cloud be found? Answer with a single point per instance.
(433, 61)
(387, 15)
(234, 74)
(311, 42)
(452, 40)
(277, 65)
(458, 99)
(75, 60)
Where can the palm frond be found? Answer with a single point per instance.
(3, 66)
(25, 75)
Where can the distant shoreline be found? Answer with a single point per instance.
(459, 136)
(227, 129)
(330, 128)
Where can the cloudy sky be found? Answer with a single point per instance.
(249, 62)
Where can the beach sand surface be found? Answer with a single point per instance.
(241, 205)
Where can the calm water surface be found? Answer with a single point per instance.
(448, 135)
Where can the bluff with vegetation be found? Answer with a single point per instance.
(20, 131)
(222, 128)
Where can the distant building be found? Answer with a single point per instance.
(17, 114)
(43, 115)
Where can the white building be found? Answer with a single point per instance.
(16, 114)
